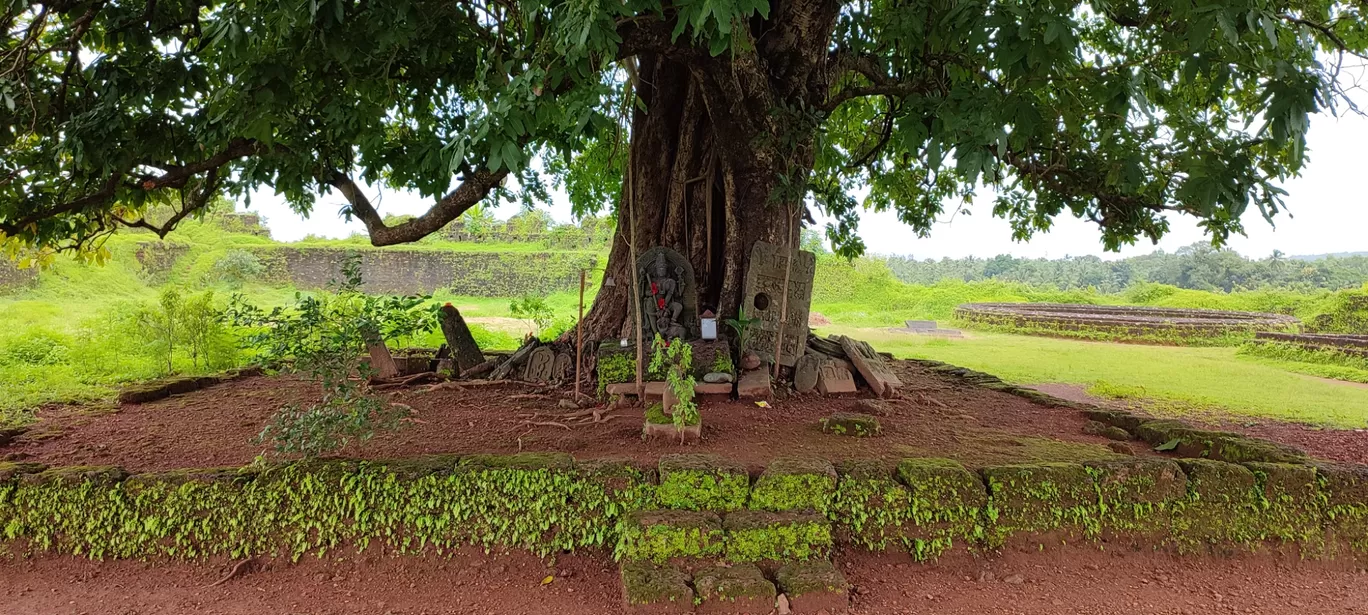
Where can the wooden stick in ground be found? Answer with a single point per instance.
(579, 337)
(783, 303)
(628, 199)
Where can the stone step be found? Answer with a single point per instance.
(656, 389)
(741, 536)
(801, 588)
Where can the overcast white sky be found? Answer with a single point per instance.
(1328, 204)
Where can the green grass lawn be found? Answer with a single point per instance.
(1195, 378)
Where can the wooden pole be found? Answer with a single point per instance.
(630, 199)
(783, 303)
(579, 338)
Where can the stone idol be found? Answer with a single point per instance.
(669, 297)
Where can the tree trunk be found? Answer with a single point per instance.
(707, 197)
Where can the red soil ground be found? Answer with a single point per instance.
(1074, 581)
(214, 427)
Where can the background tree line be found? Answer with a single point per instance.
(1196, 267)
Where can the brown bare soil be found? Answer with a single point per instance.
(1056, 582)
(938, 416)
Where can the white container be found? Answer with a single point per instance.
(709, 328)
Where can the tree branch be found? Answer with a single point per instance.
(472, 190)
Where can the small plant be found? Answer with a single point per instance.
(534, 309)
(201, 327)
(741, 325)
(676, 359)
(238, 267)
(323, 337)
(160, 324)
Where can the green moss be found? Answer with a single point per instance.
(870, 507)
(946, 505)
(1137, 497)
(816, 576)
(613, 369)
(851, 424)
(655, 415)
(755, 535)
(519, 461)
(740, 588)
(658, 535)
(795, 483)
(1043, 497)
(1290, 502)
(644, 584)
(1222, 506)
(702, 482)
(1345, 491)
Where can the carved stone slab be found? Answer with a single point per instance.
(871, 366)
(669, 294)
(833, 377)
(539, 365)
(764, 299)
(563, 367)
(805, 374)
(464, 350)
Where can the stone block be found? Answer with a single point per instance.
(1043, 497)
(872, 366)
(1129, 482)
(794, 483)
(870, 508)
(713, 389)
(518, 461)
(737, 589)
(758, 535)
(754, 384)
(655, 590)
(668, 431)
(694, 481)
(814, 586)
(805, 373)
(1110, 432)
(834, 377)
(144, 393)
(659, 535)
(851, 424)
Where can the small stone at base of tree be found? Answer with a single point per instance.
(851, 424)
(754, 385)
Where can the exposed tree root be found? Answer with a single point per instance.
(237, 569)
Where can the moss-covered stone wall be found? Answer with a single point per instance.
(548, 502)
(482, 274)
(13, 278)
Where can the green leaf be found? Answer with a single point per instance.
(1170, 445)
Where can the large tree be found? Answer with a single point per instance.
(726, 120)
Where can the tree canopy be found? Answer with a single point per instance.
(1114, 111)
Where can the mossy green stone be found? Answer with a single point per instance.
(794, 483)
(659, 535)
(694, 481)
(1042, 497)
(519, 461)
(741, 588)
(9, 470)
(812, 585)
(100, 475)
(645, 585)
(757, 535)
(852, 424)
(870, 505)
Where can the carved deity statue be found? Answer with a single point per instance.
(662, 286)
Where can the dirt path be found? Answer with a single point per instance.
(1076, 581)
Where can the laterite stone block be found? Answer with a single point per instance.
(1053, 497)
(757, 535)
(702, 482)
(795, 483)
(655, 590)
(659, 535)
(737, 589)
(812, 587)
(871, 508)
